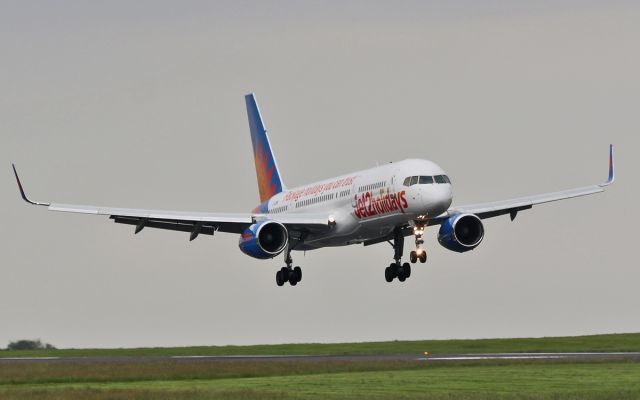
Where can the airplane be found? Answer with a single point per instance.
(382, 204)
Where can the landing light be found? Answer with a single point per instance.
(419, 251)
(332, 220)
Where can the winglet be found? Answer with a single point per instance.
(24, 196)
(612, 174)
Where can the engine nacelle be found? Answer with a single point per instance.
(462, 232)
(265, 239)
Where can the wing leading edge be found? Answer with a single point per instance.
(194, 222)
(512, 206)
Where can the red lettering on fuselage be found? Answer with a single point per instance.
(369, 205)
(295, 195)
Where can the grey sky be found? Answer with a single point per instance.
(140, 104)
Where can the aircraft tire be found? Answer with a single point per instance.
(279, 280)
(423, 257)
(297, 273)
(286, 275)
(406, 268)
(394, 270)
(413, 257)
(292, 280)
(388, 274)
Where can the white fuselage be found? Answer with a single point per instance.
(368, 204)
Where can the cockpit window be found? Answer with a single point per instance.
(442, 179)
(425, 180)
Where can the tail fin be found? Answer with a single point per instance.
(269, 181)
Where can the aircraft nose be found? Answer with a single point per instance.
(437, 199)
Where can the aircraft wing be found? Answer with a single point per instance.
(194, 222)
(512, 206)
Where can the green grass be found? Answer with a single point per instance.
(60, 373)
(536, 380)
(611, 342)
(330, 379)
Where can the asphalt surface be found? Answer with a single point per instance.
(609, 356)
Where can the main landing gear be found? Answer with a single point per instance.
(397, 269)
(288, 273)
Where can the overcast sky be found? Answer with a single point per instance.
(140, 104)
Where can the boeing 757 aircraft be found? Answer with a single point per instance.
(381, 204)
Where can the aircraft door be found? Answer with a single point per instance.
(394, 186)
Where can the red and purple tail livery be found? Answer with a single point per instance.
(269, 181)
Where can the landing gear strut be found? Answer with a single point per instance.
(397, 269)
(419, 253)
(288, 273)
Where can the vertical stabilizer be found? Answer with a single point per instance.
(269, 181)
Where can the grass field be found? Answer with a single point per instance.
(535, 380)
(612, 342)
(332, 379)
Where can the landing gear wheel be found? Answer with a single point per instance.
(413, 257)
(286, 273)
(279, 280)
(389, 273)
(297, 274)
(423, 257)
(292, 280)
(394, 270)
(406, 268)
(401, 275)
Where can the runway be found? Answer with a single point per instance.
(591, 356)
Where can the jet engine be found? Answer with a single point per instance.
(462, 232)
(265, 239)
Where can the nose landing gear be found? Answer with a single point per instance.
(419, 253)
